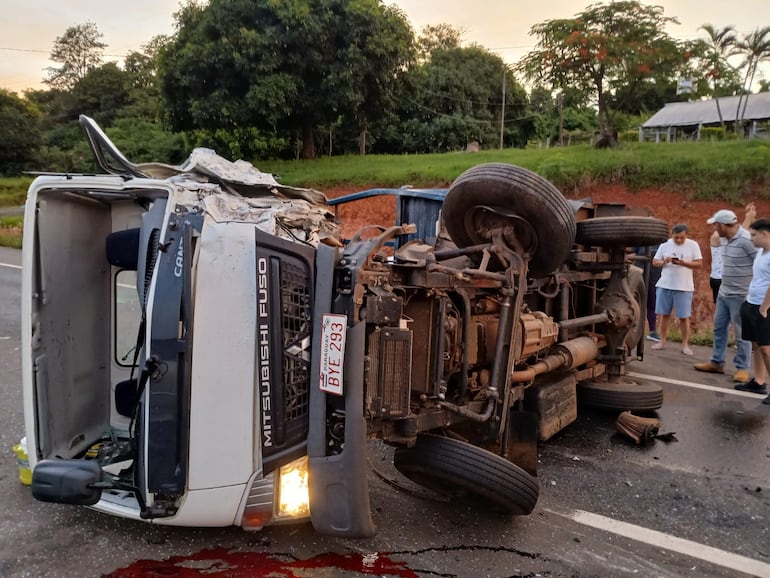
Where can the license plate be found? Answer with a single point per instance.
(333, 330)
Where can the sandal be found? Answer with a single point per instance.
(686, 350)
(658, 346)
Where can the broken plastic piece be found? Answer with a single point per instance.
(639, 429)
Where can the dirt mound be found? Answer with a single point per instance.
(671, 207)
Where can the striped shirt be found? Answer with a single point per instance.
(737, 264)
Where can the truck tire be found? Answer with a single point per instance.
(620, 396)
(623, 231)
(639, 290)
(466, 472)
(495, 193)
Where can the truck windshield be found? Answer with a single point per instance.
(128, 316)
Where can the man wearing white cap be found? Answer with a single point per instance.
(738, 254)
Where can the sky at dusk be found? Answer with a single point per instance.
(29, 28)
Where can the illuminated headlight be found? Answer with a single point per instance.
(293, 496)
(281, 496)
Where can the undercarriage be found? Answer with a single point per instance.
(481, 344)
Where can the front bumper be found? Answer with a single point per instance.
(339, 491)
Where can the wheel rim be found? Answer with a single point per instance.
(518, 233)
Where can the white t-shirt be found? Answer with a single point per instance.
(716, 262)
(674, 276)
(761, 280)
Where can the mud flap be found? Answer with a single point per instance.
(339, 491)
(521, 442)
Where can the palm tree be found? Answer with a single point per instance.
(755, 47)
(722, 45)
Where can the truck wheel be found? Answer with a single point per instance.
(493, 194)
(639, 290)
(624, 231)
(466, 472)
(620, 396)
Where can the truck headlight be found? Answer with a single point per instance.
(293, 495)
(280, 496)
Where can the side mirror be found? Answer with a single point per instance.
(67, 482)
(122, 248)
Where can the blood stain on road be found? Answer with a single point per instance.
(235, 564)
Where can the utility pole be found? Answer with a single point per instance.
(502, 112)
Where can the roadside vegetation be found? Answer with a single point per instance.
(724, 171)
(729, 171)
(704, 171)
(327, 78)
(10, 231)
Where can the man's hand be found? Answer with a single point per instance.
(751, 215)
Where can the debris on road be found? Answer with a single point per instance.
(639, 429)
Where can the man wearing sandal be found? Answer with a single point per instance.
(678, 257)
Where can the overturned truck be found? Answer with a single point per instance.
(202, 347)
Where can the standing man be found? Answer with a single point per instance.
(677, 257)
(715, 278)
(756, 324)
(738, 254)
(653, 276)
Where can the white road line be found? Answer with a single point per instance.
(657, 539)
(19, 267)
(694, 385)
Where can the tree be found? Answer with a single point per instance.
(721, 46)
(565, 112)
(605, 47)
(101, 94)
(457, 99)
(143, 83)
(377, 86)
(755, 47)
(437, 37)
(281, 67)
(79, 50)
(20, 127)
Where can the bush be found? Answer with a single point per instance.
(713, 133)
(629, 136)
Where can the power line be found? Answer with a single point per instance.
(465, 119)
(460, 99)
(11, 49)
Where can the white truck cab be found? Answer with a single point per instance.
(121, 273)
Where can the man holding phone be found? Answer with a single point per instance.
(677, 257)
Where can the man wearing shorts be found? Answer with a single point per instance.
(677, 257)
(754, 318)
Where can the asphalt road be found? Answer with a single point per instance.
(699, 506)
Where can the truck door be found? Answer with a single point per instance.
(163, 428)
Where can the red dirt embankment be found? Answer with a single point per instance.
(669, 206)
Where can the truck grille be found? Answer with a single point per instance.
(285, 275)
(295, 322)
